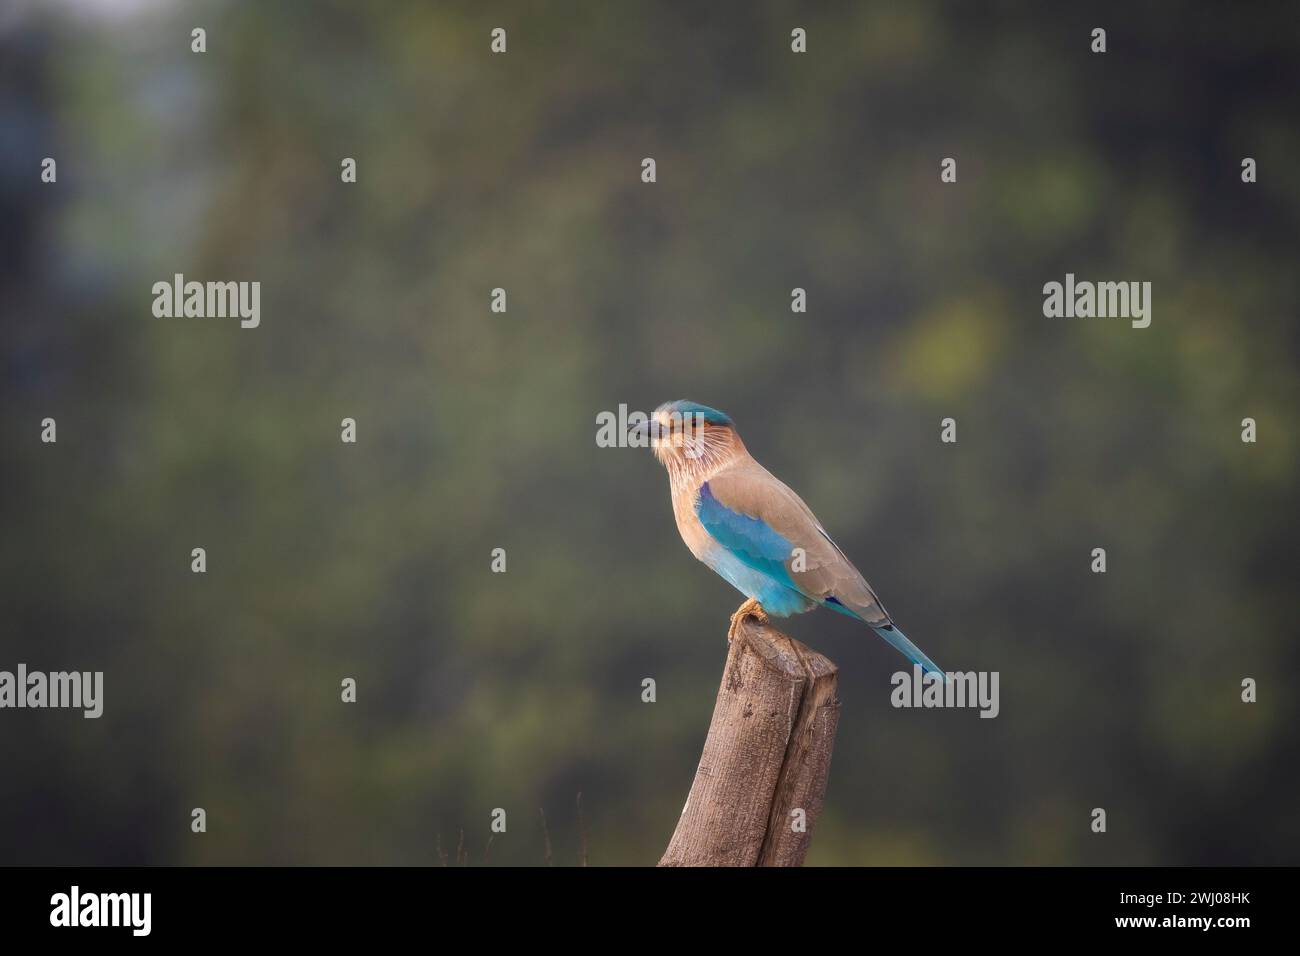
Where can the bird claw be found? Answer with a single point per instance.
(751, 608)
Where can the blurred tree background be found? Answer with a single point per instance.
(477, 430)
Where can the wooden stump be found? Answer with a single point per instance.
(767, 755)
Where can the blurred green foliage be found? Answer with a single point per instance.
(476, 430)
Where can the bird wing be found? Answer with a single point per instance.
(760, 520)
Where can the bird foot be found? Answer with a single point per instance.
(751, 608)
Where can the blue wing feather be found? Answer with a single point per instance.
(755, 564)
(750, 539)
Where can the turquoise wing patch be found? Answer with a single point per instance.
(750, 539)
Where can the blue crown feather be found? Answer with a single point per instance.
(685, 409)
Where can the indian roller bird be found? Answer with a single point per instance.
(757, 534)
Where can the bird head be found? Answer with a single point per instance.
(688, 436)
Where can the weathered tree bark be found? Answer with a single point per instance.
(767, 755)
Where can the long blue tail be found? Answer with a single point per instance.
(909, 650)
